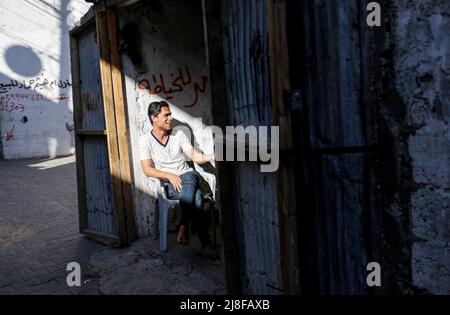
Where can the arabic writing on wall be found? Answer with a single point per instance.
(14, 101)
(15, 93)
(179, 83)
(34, 84)
(39, 89)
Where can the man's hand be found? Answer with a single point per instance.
(175, 181)
(148, 168)
(210, 157)
(199, 158)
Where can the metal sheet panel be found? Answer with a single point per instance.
(258, 218)
(339, 172)
(99, 194)
(245, 42)
(97, 207)
(333, 83)
(91, 92)
(342, 224)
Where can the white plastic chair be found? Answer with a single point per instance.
(164, 204)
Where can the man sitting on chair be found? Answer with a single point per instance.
(161, 154)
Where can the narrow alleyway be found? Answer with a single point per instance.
(39, 237)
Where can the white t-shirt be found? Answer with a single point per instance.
(167, 158)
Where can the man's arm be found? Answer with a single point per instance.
(148, 168)
(199, 158)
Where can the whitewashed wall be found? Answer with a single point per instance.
(170, 41)
(35, 81)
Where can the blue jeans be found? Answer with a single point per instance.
(191, 204)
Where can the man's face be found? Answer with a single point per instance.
(163, 120)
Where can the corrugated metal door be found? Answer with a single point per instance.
(337, 215)
(247, 79)
(104, 194)
(95, 196)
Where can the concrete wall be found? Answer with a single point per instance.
(163, 56)
(422, 66)
(35, 82)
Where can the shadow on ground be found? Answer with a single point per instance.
(39, 236)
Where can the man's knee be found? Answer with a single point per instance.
(190, 178)
(189, 188)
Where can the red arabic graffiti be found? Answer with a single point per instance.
(9, 135)
(177, 85)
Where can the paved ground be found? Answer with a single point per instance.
(39, 237)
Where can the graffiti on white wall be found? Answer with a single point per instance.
(15, 95)
(10, 134)
(34, 84)
(169, 85)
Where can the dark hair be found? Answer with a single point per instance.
(155, 108)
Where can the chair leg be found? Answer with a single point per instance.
(163, 218)
(156, 229)
(213, 223)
